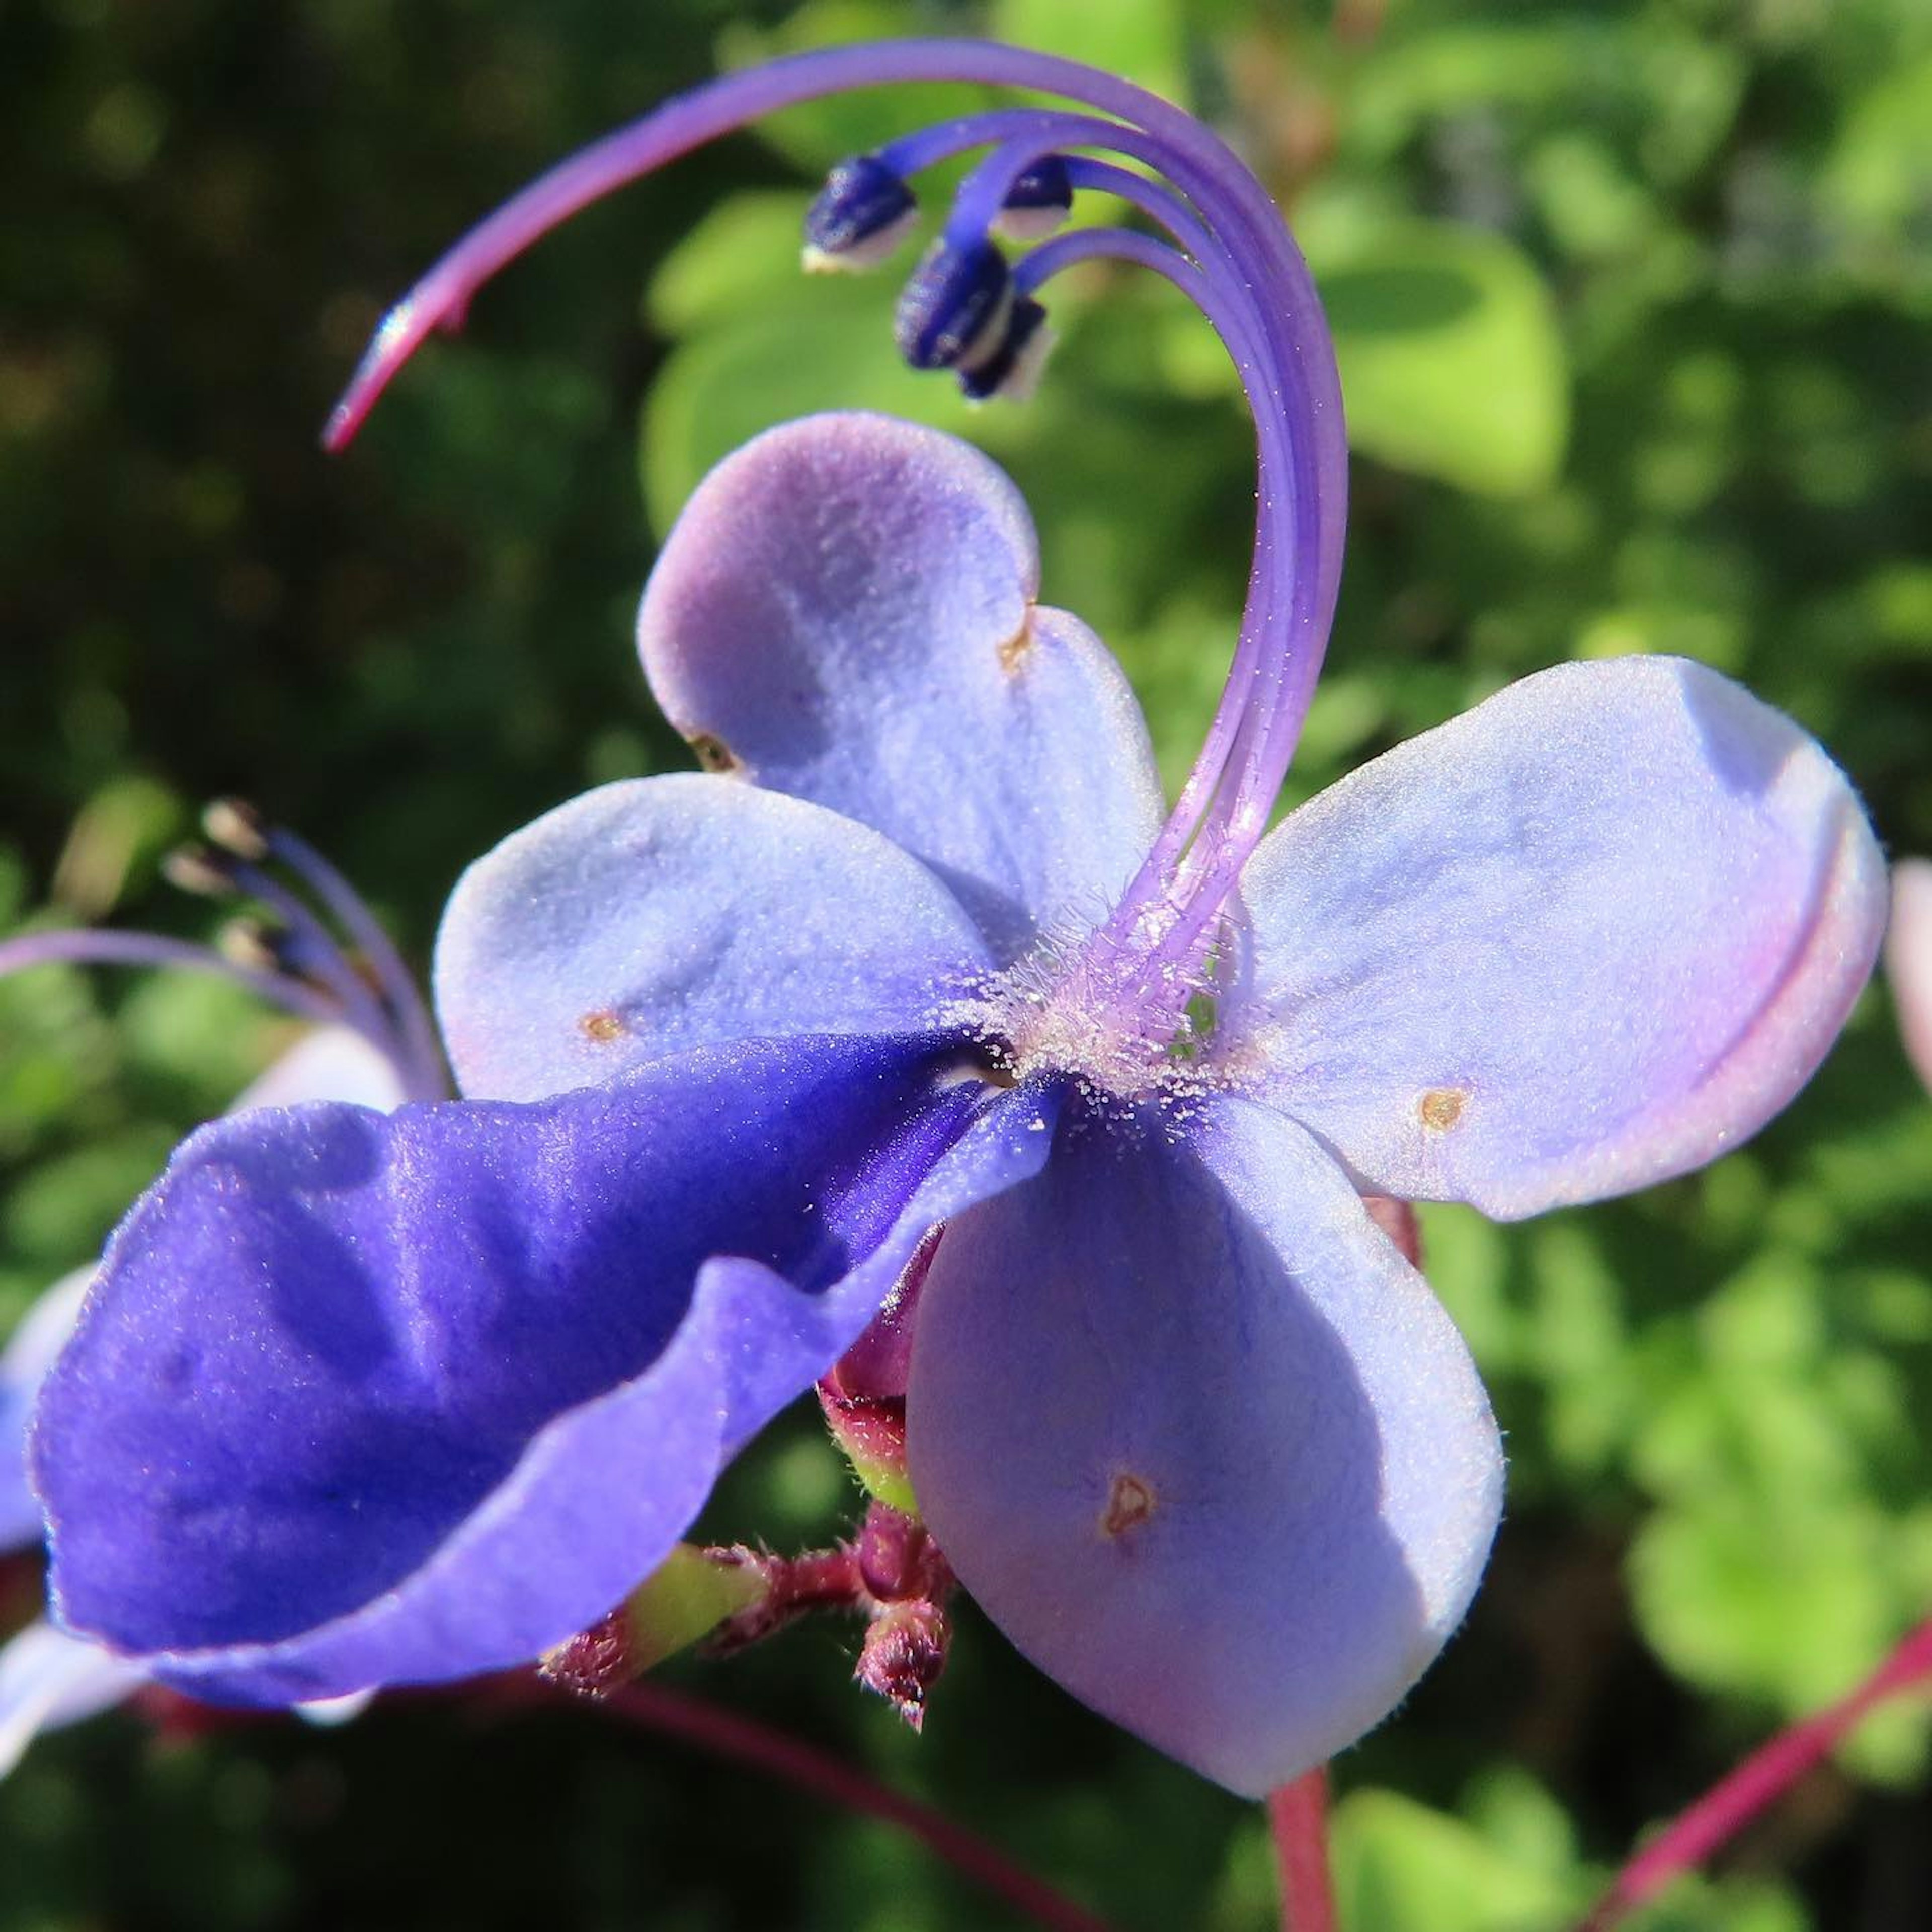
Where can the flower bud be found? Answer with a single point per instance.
(1039, 201)
(687, 1596)
(862, 213)
(952, 313)
(904, 1655)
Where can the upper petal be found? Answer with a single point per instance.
(48, 1679)
(1200, 1442)
(1587, 936)
(648, 917)
(364, 1398)
(1908, 959)
(845, 611)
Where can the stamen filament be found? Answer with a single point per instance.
(1246, 276)
(421, 1060)
(84, 946)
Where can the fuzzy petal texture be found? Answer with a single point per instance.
(47, 1679)
(1586, 936)
(363, 1399)
(331, 1063)
(845, 612)
(42, 1333)
(1201, 1441)
(647, 918)
(1908, 959)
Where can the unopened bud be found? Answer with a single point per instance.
(952, 313)
(871, 1432)
(1040, 200)
(897, 1558)
(686, 1596)
(904, 1656)
(862, 213)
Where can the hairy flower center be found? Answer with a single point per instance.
(1078, 1009)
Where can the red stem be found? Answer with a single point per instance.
(745, 1740)
(1766, 1775)
(1298, 1817)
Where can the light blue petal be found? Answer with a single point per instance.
(1587, 936)
(647, 918)
(1200, 1442)
(846, 611)
(47, 1679)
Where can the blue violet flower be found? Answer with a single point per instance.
(361, 1399)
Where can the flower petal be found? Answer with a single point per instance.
(1200, 1442)
(647, 918)
(1908, 959)
(1584, 938)
(40, 1335)
(333, 1063)
(364, 1400)
(845, 612)
(47, 1679)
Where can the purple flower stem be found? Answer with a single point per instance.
(1763, 1777)
(744, 1741)
(1297, 1815)
(85, 947)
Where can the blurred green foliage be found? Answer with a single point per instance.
(1632, 300)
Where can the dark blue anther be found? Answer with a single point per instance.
(1038, 202)
(952, 313)
(1010, 370)
(861, 214)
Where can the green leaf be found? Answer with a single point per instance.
(1453, 365)
(1139, 40)
(828, 347)
(816, 133)
(1399, 1867)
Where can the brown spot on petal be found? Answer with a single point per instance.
(1130, 1501)
(603, 1026)
(1017, 649)
(713, 754)
(1440, 1108)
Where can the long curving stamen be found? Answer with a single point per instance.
(292, 961)
(81, 946)
(394, 982)
(1272, 325)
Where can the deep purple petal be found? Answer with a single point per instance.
(47, 1679)
(845, 611)
(1587, 936)
(363, 1399)
(333, 1063)
(36, 1341)
(1200, 1442)
(647, 918)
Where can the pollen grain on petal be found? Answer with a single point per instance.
(603, 1026)
(713, 754)
(1015, 650)
(1130, 1501)
(1441, 1108)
